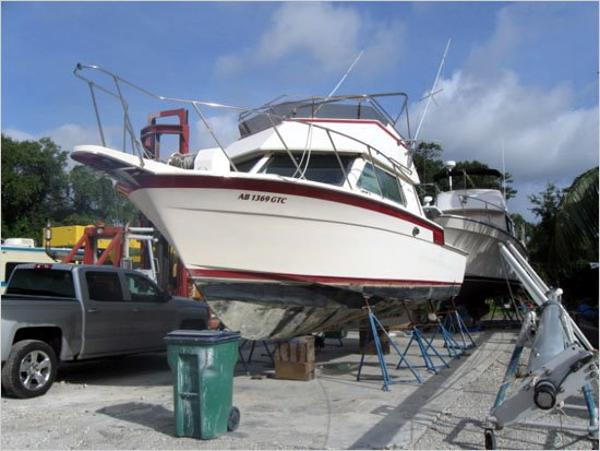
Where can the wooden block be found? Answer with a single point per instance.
(296, 350)
(294, 371)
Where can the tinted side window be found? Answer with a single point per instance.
(368, 181)
(104, 286)
(377, 180)
(141, 289)
(390, 187)
(245, 166)
(42, 282)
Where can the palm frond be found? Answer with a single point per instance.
(576, 229)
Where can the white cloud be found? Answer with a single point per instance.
(18, 135)
(545, 137)
(500, 46)
(485, 107)
(66, 136)
(329, 34)
(224, 126)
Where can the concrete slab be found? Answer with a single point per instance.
(126, 403)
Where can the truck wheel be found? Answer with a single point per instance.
(30, 369)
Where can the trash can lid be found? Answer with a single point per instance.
(201, 337)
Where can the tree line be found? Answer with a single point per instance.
(39, 186)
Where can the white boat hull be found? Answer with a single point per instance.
(311, 257)
(486, 275)
(276, 257)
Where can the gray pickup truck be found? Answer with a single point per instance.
(54, 313)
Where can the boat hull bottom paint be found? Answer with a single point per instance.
(277, 311)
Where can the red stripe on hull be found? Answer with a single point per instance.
(248, 275)
(282, 187)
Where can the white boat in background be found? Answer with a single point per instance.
(476, 220)
(287, 230)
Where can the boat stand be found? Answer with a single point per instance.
(453, 349)
(454, 323)
(374, 323)
(423, 344)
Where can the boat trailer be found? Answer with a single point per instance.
(562, 361)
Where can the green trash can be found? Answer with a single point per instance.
(202, 363)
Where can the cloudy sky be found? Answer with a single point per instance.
(518, 76)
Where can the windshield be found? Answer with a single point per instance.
(324, 168)
(41, 282)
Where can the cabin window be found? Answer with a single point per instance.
(376, 180)
(321, 168)
(247, 165)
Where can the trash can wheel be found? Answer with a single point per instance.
(234, 419)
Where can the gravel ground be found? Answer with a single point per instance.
(460, 425)
(126, 403)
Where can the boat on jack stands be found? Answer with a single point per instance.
(476, 220)
(287, 230)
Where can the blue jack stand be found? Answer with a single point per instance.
(373, 323)
(452, 347)
(455, 325)
(417, 336)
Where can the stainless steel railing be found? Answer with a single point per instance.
(275, 120)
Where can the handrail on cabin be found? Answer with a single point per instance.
(316, 102)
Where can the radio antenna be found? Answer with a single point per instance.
(431, 93)
(503, 172)
(333, 91)
(339, 83)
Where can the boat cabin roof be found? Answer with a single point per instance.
(307, 109)
(457, 172)
(471, 199)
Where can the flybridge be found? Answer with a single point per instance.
(349, 107)
(365, 108)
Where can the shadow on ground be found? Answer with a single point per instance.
(153, 369)
(383, 432)
(151, 416)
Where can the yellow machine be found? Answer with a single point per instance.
(68, 236)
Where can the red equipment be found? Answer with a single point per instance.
(89, 243)
(151, 133)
